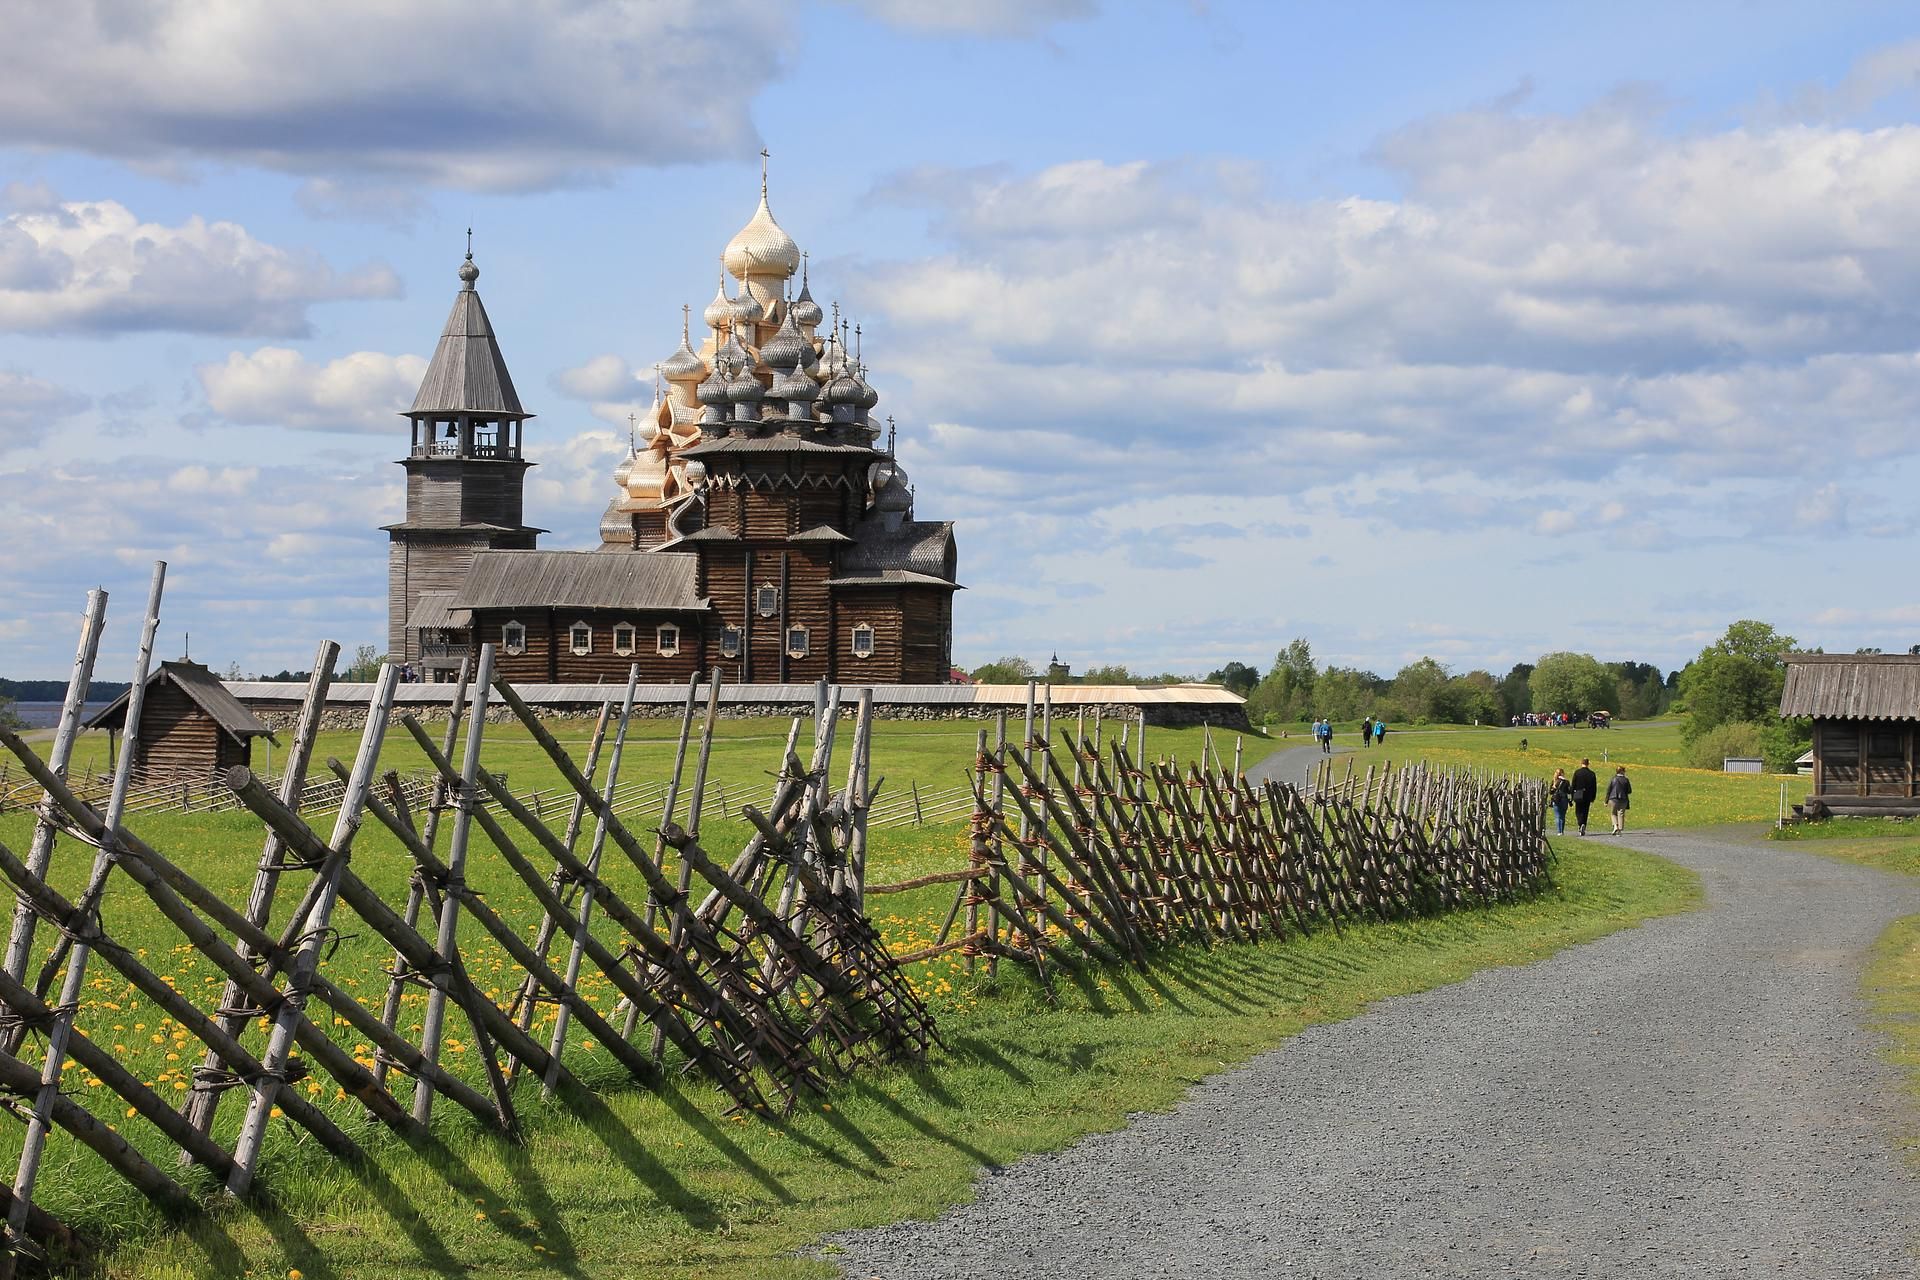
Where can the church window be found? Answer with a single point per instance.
(667, 639)
(580, 638)
(797, 645)
(730, 642)
(623, 635)
(767, 600)
(513, 638)
(863, 641)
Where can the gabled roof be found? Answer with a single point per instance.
(660, 580)
(437, 609)
(205, 691)
(1852, 686)
(468, 374)
(821, 533)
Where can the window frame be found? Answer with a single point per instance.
(661, 645)
(805, 647)
(766, 599)
(733, 641)
(862, 631)
(625, 650)
(573, 642)
(508, 644)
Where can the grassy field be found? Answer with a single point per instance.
(644, 1182)
(1666, 792)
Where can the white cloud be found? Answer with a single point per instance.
(604, 377)
(95, 267)
(276, 386)
(975, 17)
(30, 407)
(476, 94)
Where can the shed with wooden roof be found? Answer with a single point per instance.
(1865, 710)
(190, 725)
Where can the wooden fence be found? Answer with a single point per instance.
(760, 972)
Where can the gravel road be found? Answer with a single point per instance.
(1696, 1097)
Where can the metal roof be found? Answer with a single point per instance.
(580, 580)
(468, 373)
(948, 695)
(204, 689)
(1852, 686)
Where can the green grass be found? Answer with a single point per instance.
(1849, 828)
(661, 1185)
(1666, 792)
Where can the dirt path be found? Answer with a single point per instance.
(1694, 1098)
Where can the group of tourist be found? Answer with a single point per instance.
(1372, 733)
(1580, 791)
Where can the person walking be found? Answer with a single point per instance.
(1366, 732)
(1585, 787)
(1379, 733)
(1559, 793)
(1618, 791)
(1324, 731)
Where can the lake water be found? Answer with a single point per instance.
(45, 715)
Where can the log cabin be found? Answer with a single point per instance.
(758, 524)
(1865, 710)
(190, 725)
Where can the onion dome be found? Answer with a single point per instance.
(616, 526)
(868, 396)
(744, 388)
(621, 472)
(746, 310)
(719, 312)
(891, 493)
(696, 473)
(468, 271)
(786, 349)
(714, 390)
(762, 248)
(648, 476)
(804, 309)
(843, 389)
(683, 365)
(797, 389)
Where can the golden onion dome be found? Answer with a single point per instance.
(761, 248)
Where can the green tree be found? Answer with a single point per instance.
(1473, 698)
(1004, 671)
(1576, 683)
(1347, 693)
(9, 718)
(1286, 691)
(1736, 678)
(365, 665)
(1418, 690)
(1238, 678)
(1515, 697)
(1112, 673)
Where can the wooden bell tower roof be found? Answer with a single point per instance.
(468, 374)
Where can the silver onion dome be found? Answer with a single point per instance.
(714, 390)
(868, 396)
(719, 312)
(744, 388)
(787, 348)
(795, 388)
(683, 365)
(746, 309)
(842, 389)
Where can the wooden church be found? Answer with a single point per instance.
(759, 525)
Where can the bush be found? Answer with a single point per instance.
(1711, 747)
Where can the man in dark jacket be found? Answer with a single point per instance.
(1585, 787)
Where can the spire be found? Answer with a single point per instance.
(765, 156)
(890, 434)
(468, 374)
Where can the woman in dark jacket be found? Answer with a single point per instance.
(1617, 803)
(1560, 795)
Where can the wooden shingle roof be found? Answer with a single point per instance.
(203, 688)
(662, 580)
(1852, 686)
(468, 374)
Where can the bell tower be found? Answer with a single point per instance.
(465, 474)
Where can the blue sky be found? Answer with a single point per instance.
(1473, 331)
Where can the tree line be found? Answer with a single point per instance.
(1727, 697)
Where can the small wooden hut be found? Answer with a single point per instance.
(190, 725)
(1866, 715)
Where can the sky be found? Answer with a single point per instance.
(1470, 331)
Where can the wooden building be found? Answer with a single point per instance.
(190, 725)
(759, 524)
(1866, 714)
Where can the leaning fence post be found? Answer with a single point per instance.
(447, 944)
(40, 852)
(33, 1146)
(313, 935)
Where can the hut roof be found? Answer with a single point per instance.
(437, 609)
(662, 580)
(1852, 686)
(922, 547)
(468, 374)
(205, 691)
